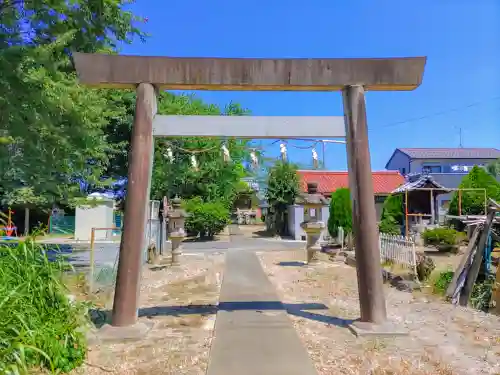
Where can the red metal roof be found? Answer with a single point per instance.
(328, 181)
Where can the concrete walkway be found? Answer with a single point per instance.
(253, 334)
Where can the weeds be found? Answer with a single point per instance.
(481, 294)
(39, 326)
(442, 281)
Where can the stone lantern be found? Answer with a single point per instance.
(312, 202)
(176, 219)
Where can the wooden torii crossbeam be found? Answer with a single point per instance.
(351, 76)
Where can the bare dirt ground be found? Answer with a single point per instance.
(443, 339)
(180, 341)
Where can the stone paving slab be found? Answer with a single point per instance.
(253, 334)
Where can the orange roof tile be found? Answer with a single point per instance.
(328, 181)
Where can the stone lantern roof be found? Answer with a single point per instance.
(312, 197)
(177, 211)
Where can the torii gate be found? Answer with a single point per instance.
(350, 76)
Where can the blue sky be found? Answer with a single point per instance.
(459, 37)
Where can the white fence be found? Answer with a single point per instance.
(398, 250)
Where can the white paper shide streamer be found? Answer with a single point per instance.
(255, 161)
(194, 162)
(315, 158)
(169, 155)
(283, 151)
(225, 153)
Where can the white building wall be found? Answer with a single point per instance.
(86, 218)
(297, 213)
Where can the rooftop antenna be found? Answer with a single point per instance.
(460, 135)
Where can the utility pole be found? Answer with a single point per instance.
(323, 152)
(460, 137)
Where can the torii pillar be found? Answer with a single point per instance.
(350, 76)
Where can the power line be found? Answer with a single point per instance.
(456, 109)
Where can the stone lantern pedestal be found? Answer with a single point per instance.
(176, 239)
(312, 225)
(313, 233)
(176, 220)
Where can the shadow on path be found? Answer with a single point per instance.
(292, 264)
(300, 309)
(100, 317)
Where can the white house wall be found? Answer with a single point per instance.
(101, 216)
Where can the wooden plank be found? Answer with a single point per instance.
(478, 257)
(495, 293)
(194, 73)
(463, 262)
(494, 205)
(250, 126)
(494, 236)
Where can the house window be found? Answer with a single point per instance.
(461, 168)
(403, 170)
(431, 169)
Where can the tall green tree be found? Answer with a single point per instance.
(282, 189)
(97, 24)
(494, 168)
(473, 201)
(340, 212)
(52, 130)
(52, 127)
(392, 215)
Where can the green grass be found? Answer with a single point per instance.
(39, 326)
(441, 281)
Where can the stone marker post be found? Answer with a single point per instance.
(176, 220)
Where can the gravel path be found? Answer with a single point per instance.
(176, 300)
(443, 339)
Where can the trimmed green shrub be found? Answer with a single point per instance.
(340, 212)
(39, 325)
(206, 219)
(473, 201)
(445, 239)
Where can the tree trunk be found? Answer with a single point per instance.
(26, 221)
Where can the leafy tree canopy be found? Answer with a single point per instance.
(494, 168)
(53, 130)
(214, 178)
(473, 201)
(282, 189)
